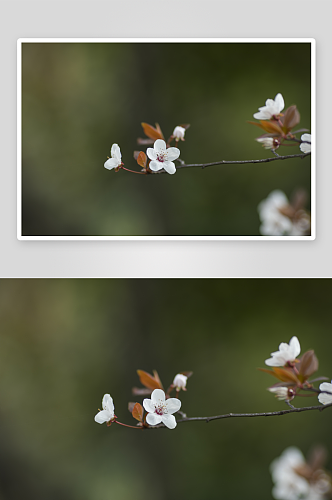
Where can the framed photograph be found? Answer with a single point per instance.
(165, 139)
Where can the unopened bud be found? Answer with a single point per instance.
(281, 393)
(180, 382)
(179, 132)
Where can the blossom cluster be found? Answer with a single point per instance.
(294, 374)
(279, 217)
(159, 409)
(279, 125)
(295, 478)
(161, 156)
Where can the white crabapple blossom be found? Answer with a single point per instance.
(281, 393)
(160, 409)
(288, 484)
(267, 142)
(286, 353)
(271, 108)
(325, 397)
(162, 157)
(274, 223)
(306, 146)
(115, 160)
(179, 132)
(107, 413)
(180, 382)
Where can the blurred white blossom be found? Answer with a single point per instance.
(107, 413)
(287, 352)
(306, 146)
(160, 409)
(267, 142)
(162, 157)
(288, 484)
(180, 381)
(271, 108)
(280, 392)
(274, 223)
(179, 132)
(325, 398)
(115, 160)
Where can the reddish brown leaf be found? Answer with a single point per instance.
(285, 374)
(308, 364)
(137, 412)
(142, 159)
(269, 126)
(151, 132)
(291, 118)
(148, 380)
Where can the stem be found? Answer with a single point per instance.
(133, 171)
(130, 426)
(237, 162)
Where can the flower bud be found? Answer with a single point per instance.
(179, 132)
(280, 392)
(180, 382)
(268, 142)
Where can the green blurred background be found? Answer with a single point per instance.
(80, 98)
(65, 343)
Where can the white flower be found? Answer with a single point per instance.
(306, 146)
(287, 352)
(325, 398)
(107, 412)
(180, 381)
(162, 157)
(179, 132)
(288, 484)
(280, 392)
(160, 409)
(271, 108)
(115, 161)
(274, 223)
(267, 142)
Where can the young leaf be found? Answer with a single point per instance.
(151, 132)
(142, 159)
(269, 126)
(137, 412)
(291, 118)
(308, 364)
(285, 374)
(148, 380)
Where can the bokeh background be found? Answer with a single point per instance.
(80, 98)
(64, 343)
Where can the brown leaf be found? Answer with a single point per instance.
(291, 118)
(269, 126)
(186, 374)
(308, 364)
(137, 412)
(185, 125)
(142, 159)
(151, 132)
(283, 374)
(148, 380)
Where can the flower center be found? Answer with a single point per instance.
(161, 409)
(161, 156)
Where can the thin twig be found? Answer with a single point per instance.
(268, 414)
(236, 162)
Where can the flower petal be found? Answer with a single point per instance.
(326, 386)
(115, 152)
(111, 163)
(108, 403)
(173, 405)
(148, 406)
(325, 399)
(169, 421)
(159, 146)
(169, 167)
(103, 416)
(306, 137)
(151, 154)
(295, 345)
(262, 115)
(157, 397)
(305, 147)
(279, 100)
(156, 165)
(153, 419)
(172, 154)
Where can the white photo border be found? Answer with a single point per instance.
(20, 42)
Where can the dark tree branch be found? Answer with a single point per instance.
(235, 162)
